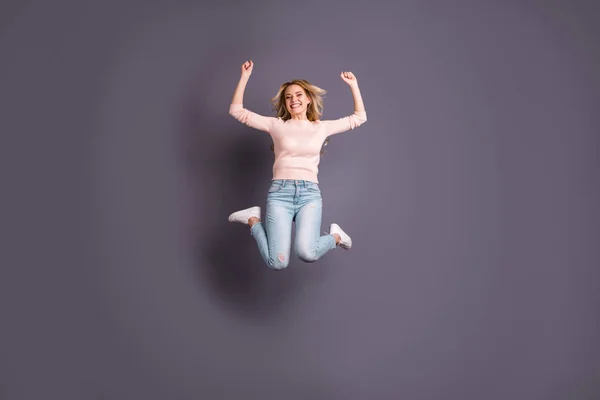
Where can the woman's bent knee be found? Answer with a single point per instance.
(279, 263)
(307, 256)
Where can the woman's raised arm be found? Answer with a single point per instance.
(351, 80)
(236, 108)
(357, 118)
(238, 95)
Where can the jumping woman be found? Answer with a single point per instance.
(298, 136)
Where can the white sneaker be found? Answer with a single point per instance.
(244, 215)
(346, 241)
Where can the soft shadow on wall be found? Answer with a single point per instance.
(229, 168)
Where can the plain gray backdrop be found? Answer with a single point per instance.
(471, 195)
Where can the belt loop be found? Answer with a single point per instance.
(283, 181)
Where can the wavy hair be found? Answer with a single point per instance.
(314, 110)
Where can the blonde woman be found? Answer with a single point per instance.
(298, 135)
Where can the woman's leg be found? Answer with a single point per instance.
(310, 245)
(274, 235)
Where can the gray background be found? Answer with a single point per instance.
(471, 196)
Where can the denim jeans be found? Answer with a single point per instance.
(287, 201)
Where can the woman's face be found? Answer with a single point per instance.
(296, 100)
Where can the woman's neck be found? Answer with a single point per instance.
(299, 118)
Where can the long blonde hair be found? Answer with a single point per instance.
(314, 109)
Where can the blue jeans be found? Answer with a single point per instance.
(287, 201)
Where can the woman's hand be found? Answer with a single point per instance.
(247, 69)
(349, 78)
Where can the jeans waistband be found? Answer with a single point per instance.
(297, 182)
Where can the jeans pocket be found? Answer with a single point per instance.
(275, 187)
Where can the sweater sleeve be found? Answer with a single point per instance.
(352, 121)
(250, 118)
